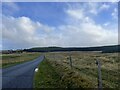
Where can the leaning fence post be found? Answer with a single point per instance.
(70, 61)
(99, 75)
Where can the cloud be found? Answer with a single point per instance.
(88, 33)
(106, 24)
(80, 30)
(23, 32)
(95, 7)
(104, 7)
(78, 14)
(83, 30)
(115, 13)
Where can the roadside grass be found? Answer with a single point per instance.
(53, 75)
(17, 58)
(84, 71)
(46, 77)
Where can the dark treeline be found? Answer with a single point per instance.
(11, 51)
(104, 49)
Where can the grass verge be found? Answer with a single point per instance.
(53, 75)
(46, 77)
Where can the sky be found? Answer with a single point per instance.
(62, 24)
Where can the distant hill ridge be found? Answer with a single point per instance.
(104, 49)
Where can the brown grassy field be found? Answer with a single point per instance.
(84, 71)
(17, 58)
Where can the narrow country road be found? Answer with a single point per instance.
(20, 76)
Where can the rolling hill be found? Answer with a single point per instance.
(104, 49)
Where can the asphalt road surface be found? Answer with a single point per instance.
(20, 76)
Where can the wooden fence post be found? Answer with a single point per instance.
(99, 75)
(70, 61)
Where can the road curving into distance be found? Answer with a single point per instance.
(20, 76)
